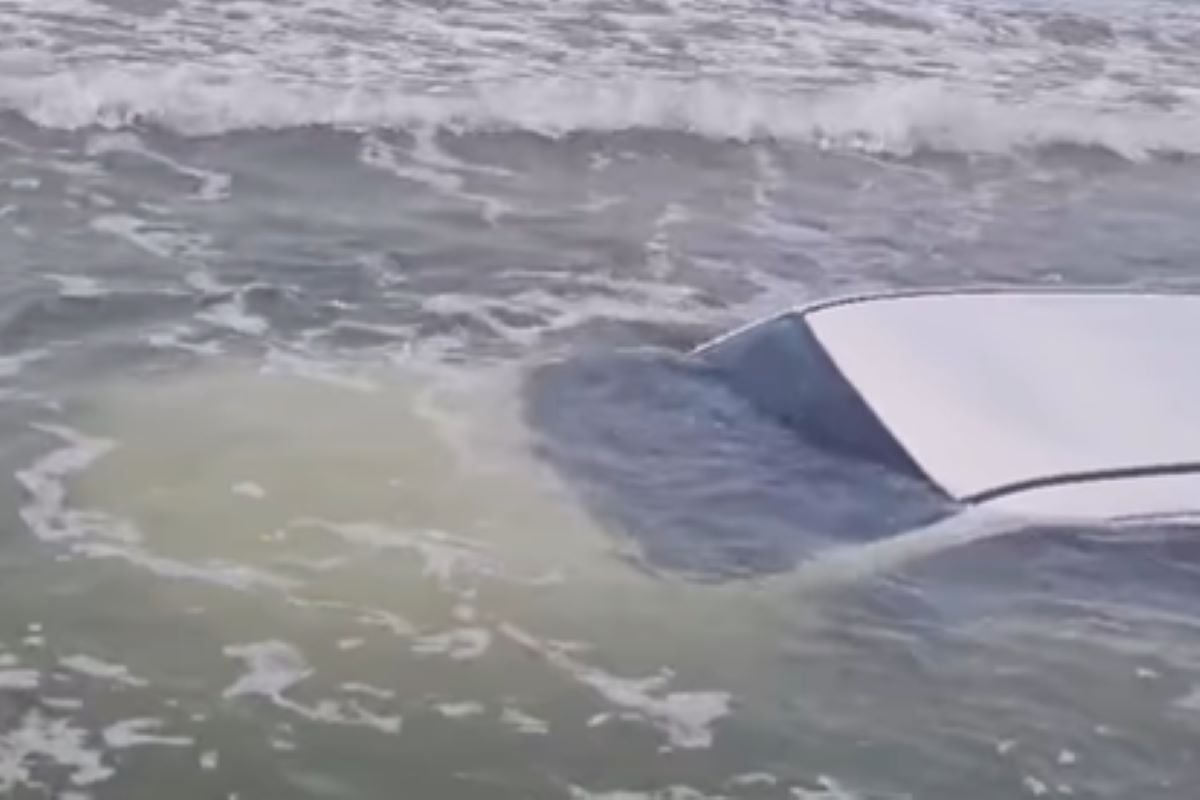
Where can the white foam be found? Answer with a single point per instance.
(174, 337)
(669, 793)
(829, 789)
(378, 617)
(78, 286)
(46, 513)
(249, 489)
(327, 564)
(1036, 787)
(461, 644)
(63, 703)
(38, 740)
(428, 164)
(19, 679)
(240, 577)
(686, 718)
(754, 779)
(102, 670)
(524, 723)
(210, 185)
(377, 154)
(233, 316)
(13, 364)
(445, 558)
(139, 733)
(623, 300)
(368, 690)
(159, 239)
(459, 710)
(274, 667)
(206, 283)
(209, 760)
(890, 116)
(1189, 701)
(279, 362)
(659, 259)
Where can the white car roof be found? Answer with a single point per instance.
(1045, 399)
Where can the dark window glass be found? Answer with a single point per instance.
(782, 369)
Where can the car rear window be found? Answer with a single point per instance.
(781, 368)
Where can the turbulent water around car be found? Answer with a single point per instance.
(350, 451)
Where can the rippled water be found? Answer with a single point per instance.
(350, 449)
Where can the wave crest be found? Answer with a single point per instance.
(897, 118)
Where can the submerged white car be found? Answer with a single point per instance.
(1049, 403)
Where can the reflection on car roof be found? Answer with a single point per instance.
(1011, 397)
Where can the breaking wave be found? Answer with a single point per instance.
(891, 118)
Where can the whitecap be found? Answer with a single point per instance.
(78, 286)
(367, 690)
(669, 793)
(233, 316)
(46, 513)
(139, 732)
(524, 723)
(274, 667)
(231, 575)
(249, 489)
(459, 710)
(38, 740)
(461, 644)
(19, 679)
(101, 670)
(892, 116)
(445, 558)
(686, 718)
